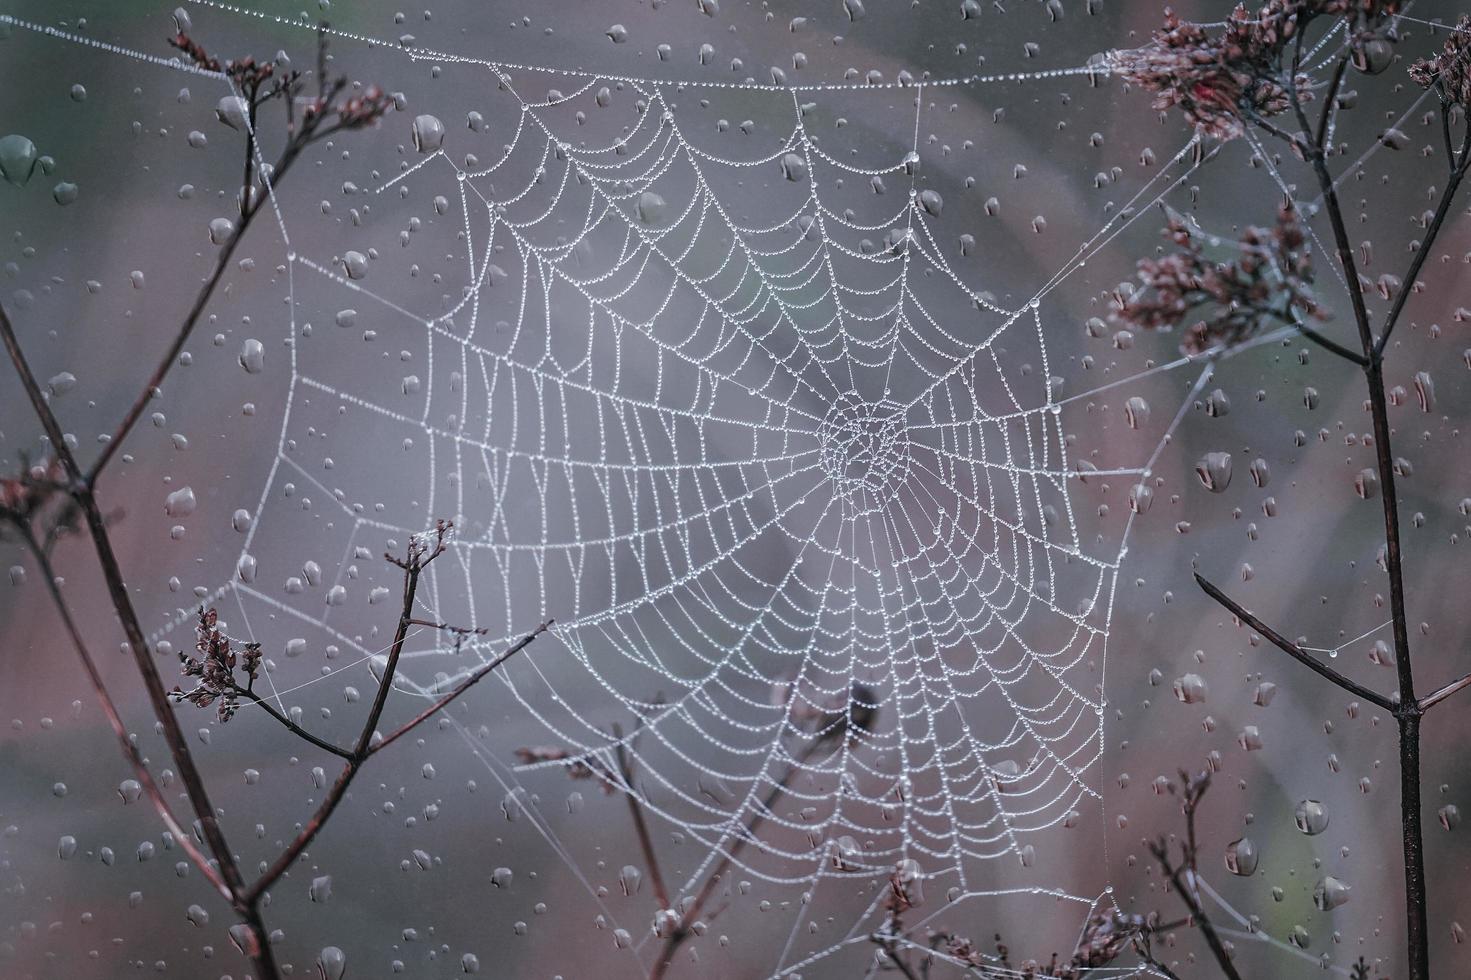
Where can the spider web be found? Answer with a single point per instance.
(760, 471)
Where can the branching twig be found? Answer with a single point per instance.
(1292, 649)
(1182, 875)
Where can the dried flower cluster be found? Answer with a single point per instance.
(245, 72)
(1449, 72)
(362, 108)
(1105, 937)
(22, 496)
(1270, 276)
(214, 666)
(1222, 81)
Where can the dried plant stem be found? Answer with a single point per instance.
(1182, 875)
(290, 725)
(365, 746)
(114, 718)
(1405, 707)
(325, 117)
(469, 681)
(81, 491)
(683, 930)
(640, 825)
(1290, 648)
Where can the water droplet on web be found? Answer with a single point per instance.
(629, 879)
(130, 790)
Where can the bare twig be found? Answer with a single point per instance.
(1292, 649)
(1329, 344)
(114, 719)
(1182, 875)
(322, 118)
(640, 825)
(290, 725)
(1440, 694)
(469, 681)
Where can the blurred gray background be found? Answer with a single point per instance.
(96, 288)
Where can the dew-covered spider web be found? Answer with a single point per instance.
(786, 439)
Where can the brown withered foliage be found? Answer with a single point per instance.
(1269, 276)
(1449, 72)
(1106, 936)
(214, 665)
(1223, 80)
(25, 494)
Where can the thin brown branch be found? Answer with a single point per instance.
(290, 725)
(412, 565)
(1326, 116)
(1407, 710)
(1330, 345)
(889, 945)
(1441, 693)
(114, 719)
(1292, 649)
(470, 681)
(640, 825)
(1458, 173)
(122, 603)
(418, 558)
(712, 882)
(1182, 875)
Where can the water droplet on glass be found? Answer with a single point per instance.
(356, 265)
(1214, 471)
(1190, 689)
(233, 111)
(331, 963)
(17, 159)
(252, 357)
(180, 503)
(1241, 857)
(1311, 817)
(221, 230)
(650, 208)
(1329, 894)
(428, 133)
